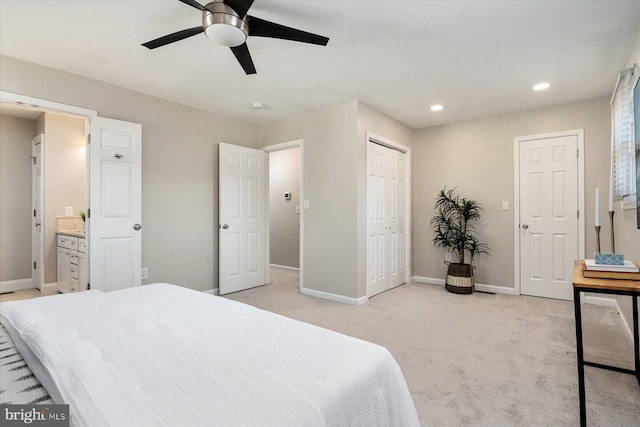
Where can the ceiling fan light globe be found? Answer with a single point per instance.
(226, 35)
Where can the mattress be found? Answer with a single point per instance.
(165, 355)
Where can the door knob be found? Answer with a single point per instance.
(525, 226)
(224, 226)
(137, 227)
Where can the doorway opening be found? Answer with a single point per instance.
(286, 207)
(112, 187)
(38, 129)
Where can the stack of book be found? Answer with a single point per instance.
(627, 271)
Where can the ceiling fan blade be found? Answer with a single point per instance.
(174, 37)
(244, 58)
(241, 7)
(193, 3)
(261, 28)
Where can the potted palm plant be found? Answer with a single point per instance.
(455, 231)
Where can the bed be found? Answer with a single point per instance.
(165, 355)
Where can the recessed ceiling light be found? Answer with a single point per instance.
(436, 107)
(257, 106)
(541, 86)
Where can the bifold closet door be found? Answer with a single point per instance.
(385, 218)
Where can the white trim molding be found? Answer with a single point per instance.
(44, 105)
(334, 297)
(478, 286)
(16, 285)
(284, 267)
(49, 289)
(215, 291)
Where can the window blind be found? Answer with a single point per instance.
(622, 134)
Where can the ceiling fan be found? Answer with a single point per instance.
(227, 23)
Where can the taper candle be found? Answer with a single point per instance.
(597, 206)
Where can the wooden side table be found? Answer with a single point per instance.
(604, 286)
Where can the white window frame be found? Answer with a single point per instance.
(623, 138)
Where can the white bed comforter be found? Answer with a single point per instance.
(165, 355)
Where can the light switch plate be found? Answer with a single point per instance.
(68, 211)
(505, 206)
(306, 203)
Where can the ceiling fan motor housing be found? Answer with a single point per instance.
(235, 30)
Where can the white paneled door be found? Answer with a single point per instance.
(242, 218)
(385, 218)
(549, 235)
(115, 192)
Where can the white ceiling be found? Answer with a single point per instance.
(477, 58)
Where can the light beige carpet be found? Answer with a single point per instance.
(481, 359)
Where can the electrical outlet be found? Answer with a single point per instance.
(145, 273)
(447, 256)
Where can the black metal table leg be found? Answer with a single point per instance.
(636, 338)
(579, 350)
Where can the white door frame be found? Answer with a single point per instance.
(37, 205)
(579, 134)
(372, 137)
(278, 147)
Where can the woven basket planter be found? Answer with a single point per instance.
(459, 278)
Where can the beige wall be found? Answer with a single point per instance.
(179, 166)
(477, 158)
(330, 185)
(284, 227)
(15, 197)
(64, 179)
(180, 176)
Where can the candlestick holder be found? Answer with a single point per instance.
(613, 237)
(608, 259)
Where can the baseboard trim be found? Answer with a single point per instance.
(284, 267)
(478, 286)
(334, 297)
(428, 280)
(611, 302)
(317, 294)
(16, 285)
(49, 289)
